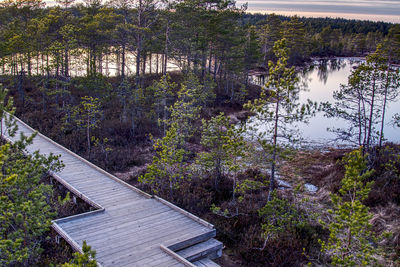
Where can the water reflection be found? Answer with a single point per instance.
(321, 79)
(324, 67)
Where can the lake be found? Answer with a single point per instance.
(321, 79)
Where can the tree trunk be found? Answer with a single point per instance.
(203, 64)
(118, 63)
(88, 63)
(157, 63)
(144, 63)
(164, 103)
(210, 61)
(166, 49)
(88, 135)
(384, 103)
(100, 59)
(37, 63)
(150, 56)
(274, 156)
(47, 65)
(29, 64)
(138, 44)
(66, 61)
(57, 64)
(215, 68)
(123, 62)
(359, 122)
(107, 68)
(218, 173)
(371, 114)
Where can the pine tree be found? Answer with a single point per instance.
(86, 116)
(25, 211)
(351, 241)
(278, 108)
(396, 119)
(214, 137)
(167, 171)
(86, 259)
(229, 154)
(163, 91)
(7, 111)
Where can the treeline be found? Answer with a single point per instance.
(320, 37)
(317, 24)
(203, 36)
(135, 37)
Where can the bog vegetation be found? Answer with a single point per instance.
(157, 89)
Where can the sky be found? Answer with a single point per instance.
(375, 10)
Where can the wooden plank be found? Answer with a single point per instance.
(115, 211)
(140, 252)
(95, 182)
(67, 238)
(103, 198)
(70, 162)
(81, 174)
(94, 233)
(198, 251)
(129, 260)
(78, 216)
(152, 258)
(115, 197)
(206, 263)
(188, 214)
(76, 192)
(111, 203)
(177, 257)
(104, 221)
(97, 192)
(137, 237)
(164, 262)
(183, 241)
(145, 239)
(110, 225)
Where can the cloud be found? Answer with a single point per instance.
(384, 7)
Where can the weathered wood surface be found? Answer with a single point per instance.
(130, 226)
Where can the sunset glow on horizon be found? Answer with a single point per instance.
(374, 10)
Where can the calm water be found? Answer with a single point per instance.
(78, 61)
(322, 79)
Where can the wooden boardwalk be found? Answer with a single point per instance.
(129, 227)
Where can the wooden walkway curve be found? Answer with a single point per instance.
(129, 227)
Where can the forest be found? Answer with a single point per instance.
(159, 92)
